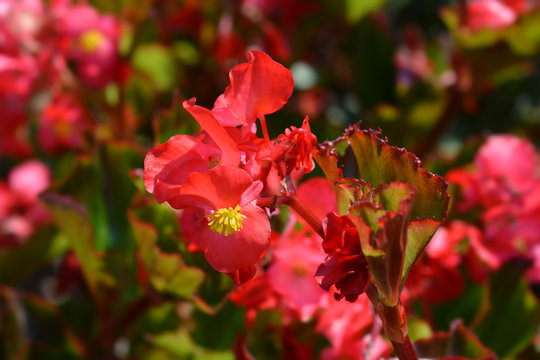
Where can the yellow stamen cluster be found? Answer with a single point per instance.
(91, 40)
(226, 221)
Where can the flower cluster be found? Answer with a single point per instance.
(223, 172)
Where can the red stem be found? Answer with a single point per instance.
(405, 350)
(306, 214)
(395, 325)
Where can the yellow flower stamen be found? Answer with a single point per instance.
(226, 221)
(91, 40)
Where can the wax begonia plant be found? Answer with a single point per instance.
(385, 216)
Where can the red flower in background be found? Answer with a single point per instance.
(352, 330)
(63, 124)
(296, 258)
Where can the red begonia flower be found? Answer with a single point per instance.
(235, 233)
(259, 87)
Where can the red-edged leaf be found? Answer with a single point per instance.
(459, 343)
(379, 163)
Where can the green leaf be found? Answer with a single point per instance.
(512, 320)
(156, 62)
(177, 343)
(167, 272)
(327, 158)
(460, 342)
(379, 163)
(348, 191)
(72, 220)
(418, 235)
(42, 248)
(392, 195)
(355, 10)
(383, 236)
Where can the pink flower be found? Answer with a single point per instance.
(20, 210)
(352, 331)
(296, 259)
(504, 184)
(507, 162)
(93, 40)
(489, 14)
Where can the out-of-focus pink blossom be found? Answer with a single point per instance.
(411, 60)
(23, 19)
(435, 277)
(352, 330)
(489, 14)
(292, 273)
(92, 41)
(504, 185)
(509, 163)
(20, 210)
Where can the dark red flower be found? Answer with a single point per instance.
(345, 267)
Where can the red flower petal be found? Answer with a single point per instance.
(174, 160)
(205, 118)
(260, 86)
(221, 187)
(242, 248)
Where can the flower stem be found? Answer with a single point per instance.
(405, 350)
(306, 214)
(395, 325)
